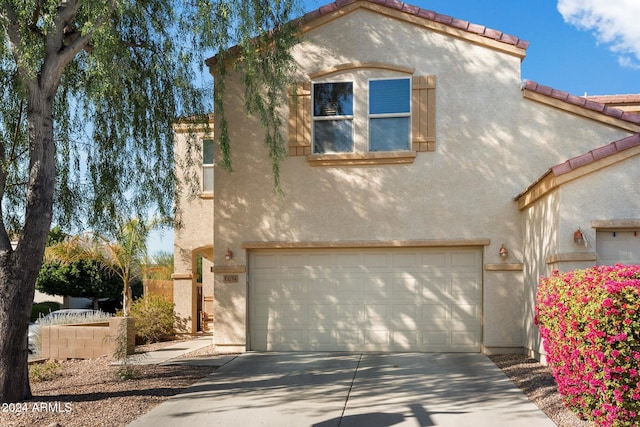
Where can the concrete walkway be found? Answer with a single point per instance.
(166, 355)
(351, 389)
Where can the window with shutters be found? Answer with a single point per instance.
(362, 119)
(333, 117)
(389, 114)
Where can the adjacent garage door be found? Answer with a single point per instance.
(424, 299)
(618, 247)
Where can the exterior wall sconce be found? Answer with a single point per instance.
(578, 237)
(503, 251)
(228, 255)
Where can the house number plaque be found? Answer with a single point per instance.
(230, 278)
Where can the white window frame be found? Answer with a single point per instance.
(208, 167)
(370, 116)
(350, 117)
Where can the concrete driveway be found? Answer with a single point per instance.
(351, 389)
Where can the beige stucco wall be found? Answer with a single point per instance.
(195, 235)
(611, 194)
(491, 143)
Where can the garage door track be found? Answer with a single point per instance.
(351, 389)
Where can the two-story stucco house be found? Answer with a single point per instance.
(427, 189)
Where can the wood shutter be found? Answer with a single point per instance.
(300, 119)
(423, 118)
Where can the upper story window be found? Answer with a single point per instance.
(333, 117)
(207, 165)
(389, 114)
(362, 113)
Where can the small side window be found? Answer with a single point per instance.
(207, 165)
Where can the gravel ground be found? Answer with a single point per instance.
(536, 381)
(89, 394)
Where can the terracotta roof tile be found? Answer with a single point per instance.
(596, 154)
(459, 23)
(628, 142)
(605, 151)
(588, 103)
(631, 98)
(493, 34)
(426, 14)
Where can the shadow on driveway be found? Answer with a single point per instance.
(351, 389)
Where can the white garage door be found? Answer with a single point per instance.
(424, 299)
(618, 247)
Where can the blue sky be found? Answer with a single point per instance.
(568, 52)
(578, 46)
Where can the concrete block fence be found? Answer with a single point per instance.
(86, 340)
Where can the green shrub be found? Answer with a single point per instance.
(155, 319)
(40, 309)
(45, 371)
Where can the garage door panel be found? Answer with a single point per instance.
(434, 338)
(378, 338)
(464, 260)
(619, 247)
(464, 339)
(405, 339)
(377, 313)
(434, 314)
(465, 285)
(433, 259)
(404, 316)
(404, 286)
(373, 300)
(376, 260)
(410, 259)
(349, 313)
(349, 337)
(321, 337)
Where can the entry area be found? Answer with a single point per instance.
(381, 299)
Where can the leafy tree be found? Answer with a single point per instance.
(81, 279)
(88, 90)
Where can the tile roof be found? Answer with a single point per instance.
(529, 195)
(615, 99)
(426, 14)
(579, 101)
(596, 154)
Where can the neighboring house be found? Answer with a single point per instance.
(427, 189)
(193, 236)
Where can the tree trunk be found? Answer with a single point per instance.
(19, 268)
(16, 298)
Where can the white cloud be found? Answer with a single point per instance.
(614, 22)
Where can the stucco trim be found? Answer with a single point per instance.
(196, 124)
(358, 65)
(616, 224)
(206, 196)
(231, 269)
(518, 266)
(355, 159)
(571, 257)
(581, 111)
(355, 244)
(182, 276)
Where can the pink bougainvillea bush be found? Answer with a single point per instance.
(590, 324)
